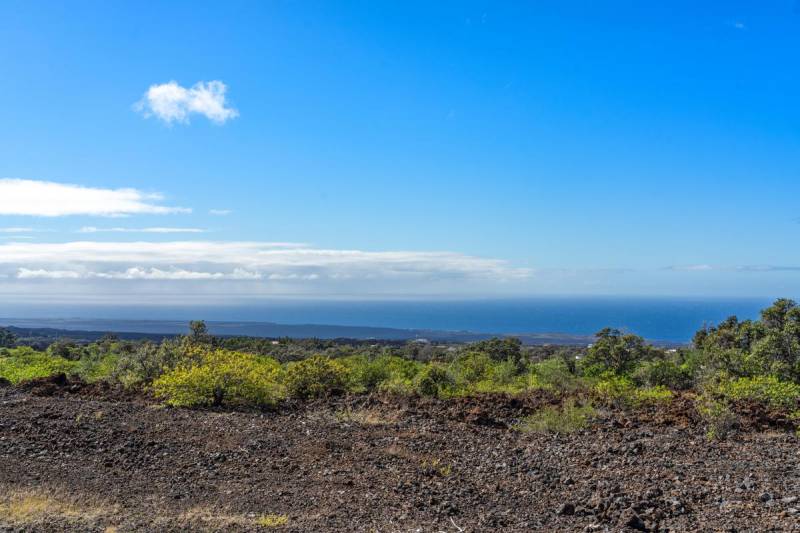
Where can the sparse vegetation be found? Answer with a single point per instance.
(272, 520)
(567, 418)
(718, 417)
(736, 361)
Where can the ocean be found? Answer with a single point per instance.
(666, 319)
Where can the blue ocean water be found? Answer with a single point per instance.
(667, 319)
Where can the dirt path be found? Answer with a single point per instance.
(77, 463)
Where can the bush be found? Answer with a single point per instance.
(768, 390)
(433, 380)
(619, 391)
(22, 364)
(500, 349)
(553, 375)
(617, 353)
(96, 367)
(476, 372)
(566, 419)
(664, 373)
(147, 361)
(471, 368)
(316, 376)
(217, 377)
(365, 374)
(718, 417)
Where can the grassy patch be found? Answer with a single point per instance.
(272, 520)
(24, 507)
(565, 419)
(368, 417)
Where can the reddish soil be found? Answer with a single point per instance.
(369, 463)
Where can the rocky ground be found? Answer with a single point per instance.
(77, 458)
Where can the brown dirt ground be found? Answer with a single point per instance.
(86, 458)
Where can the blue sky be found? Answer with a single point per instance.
(442, 149)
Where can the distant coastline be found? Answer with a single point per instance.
(543, 320)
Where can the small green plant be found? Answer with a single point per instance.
(718, 417)
(436, 467)
(272, 520)
(315, 377)
(568, 418)
(217, 377)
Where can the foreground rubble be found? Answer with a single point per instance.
(85, 460)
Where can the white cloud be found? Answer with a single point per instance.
(93, 229)
(692, 268)
(272, 262)
(50, 199)
(172, 103)
(17, 230)
(26, 273)
(174, 274)
(220, 212)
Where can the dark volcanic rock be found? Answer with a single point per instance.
(403, 464)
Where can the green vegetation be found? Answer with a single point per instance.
(272, 520)
(568, 418)
(735, 362)
(7, 338)
(23, 363)
(314, 377)
(216, 377)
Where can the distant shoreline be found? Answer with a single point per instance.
(92, 329)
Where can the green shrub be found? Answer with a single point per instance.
(471, 368)
(147, 361)
(565, 419)
(617, 353)
(217, 377)
(364, 373)
(433, 380)
(508, 348)
(22, 364)
(768, 390)
(664, 373)
(718, 417)
(96, 367)
(619, 391)
(553, 375)
(315, 377)
(476, 372)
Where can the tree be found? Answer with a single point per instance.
(198, 332)
(7, 338)
(770, 345)
(500, 349)
(612, 351)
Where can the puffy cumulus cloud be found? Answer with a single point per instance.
(50, 199)
(171, 102)
(262, 267)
